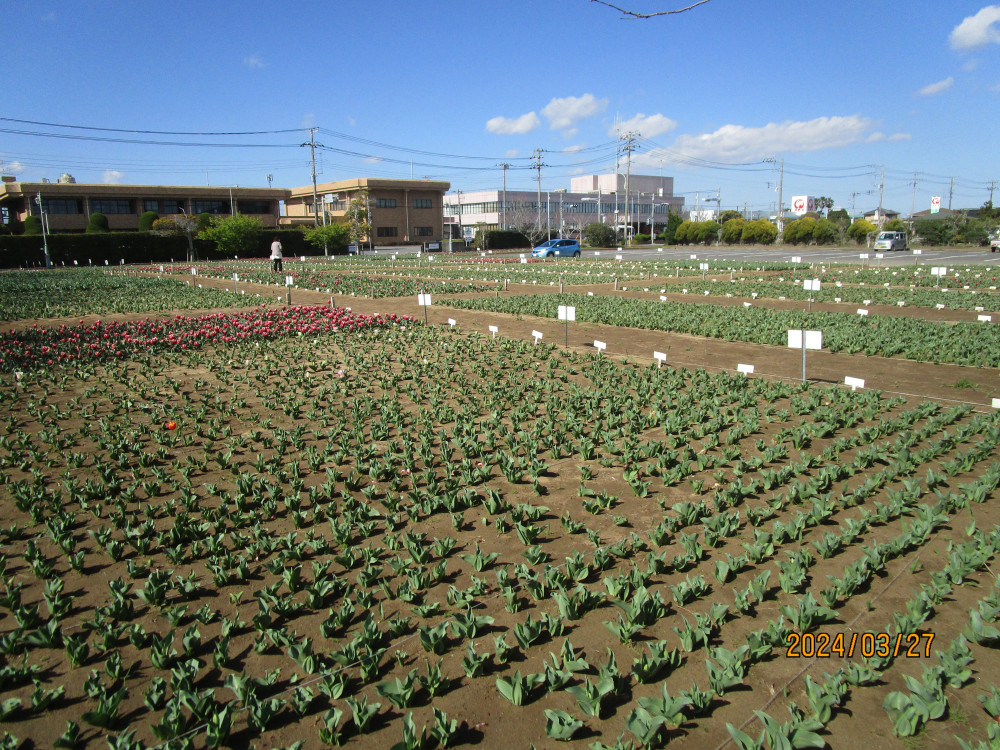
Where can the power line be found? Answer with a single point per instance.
(148, 132)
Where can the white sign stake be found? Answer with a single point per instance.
(494, 330)
(660, 358)
(799, 339)
(537, 335)
(745, 369)
(451, 322)
(567, 313)
(600, 346)
(855, 383)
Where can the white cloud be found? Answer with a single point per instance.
(11, 167)
(936, 88)
(900, 137)
(352, 122)
(113, 177)
(308, 120)
(513, 126)
(978, 30)
(739, 143)
(647, 126)
(574, 149)
(372, 159)
(566, 112)
(511, 153)
(878, 135)
(254, 62)
(995, 87)
(970, 65)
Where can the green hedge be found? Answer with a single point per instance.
(25, 251)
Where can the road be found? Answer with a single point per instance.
(815, 255)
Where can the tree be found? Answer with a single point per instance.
(674, 220)
(358, 218)
(759, 232)
(204, 220)
(234, 235)
(860, 230)
(599, 235)
(988, 212)
(799, 231)
(727, 215)
(895, 225)
(32, 225)
(732, 230)
(98, 223)
(182, 226)
(331, 238)
(146, 220)
(824, 204)
(706, 232)
(840, 216)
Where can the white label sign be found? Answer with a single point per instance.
(703, 266)
(811, 285)
(567, 312)
(600, 345)
(862, 311)
(524, 260)
(996, 403)
(618, 257)
(288, 281)
(863, 256)
(814, 339)
(985, 318)
(939, 271)
(451, 322)
(918, 252)
(745, 369)
(660, 358)
(194, 271)
(537, 335)
(424, 300)
(662, 298)
(236, 277)
(855, 383)
(494, 330)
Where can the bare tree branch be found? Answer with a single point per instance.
(634, 14)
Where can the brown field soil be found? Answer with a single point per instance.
(216, 396)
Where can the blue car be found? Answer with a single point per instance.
(552, 248)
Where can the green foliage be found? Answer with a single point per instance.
(33, 225)
(840, 217)
(358, 216)
(696, 232)
(732, 230)
(98, 223)
(826, 232)
(333, 238)
(759, 232)
(728, 215)
(894, 225)
(669, 235)
(501, 239)
(799, 231)
(234, 235)
(204, 220)
(599, 235)
(146, 220)
(860, 230)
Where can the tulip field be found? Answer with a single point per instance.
(251, 524)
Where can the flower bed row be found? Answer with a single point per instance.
(38, 346)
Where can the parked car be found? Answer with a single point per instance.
(995, 241)
(552, 248)
(891, 241)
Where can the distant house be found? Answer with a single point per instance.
(972, 213)
(880, 216)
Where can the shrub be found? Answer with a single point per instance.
(501, 239)
(895, 225)
(727, 215)
(234, 235)
(204, 221)
(706, 232)
(732, 231)
(641, 239)
(98, 223)
(799, 231)
(333, 238)
(599, 235)
(860, 230)
(33, 225)
(825, 232)
(146, 220)
(683, 231)
(759, 232)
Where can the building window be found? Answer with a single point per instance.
(61, 206)
(110, 206)
(385, 203)
(210, 207)
(386, 232)
(166, 207)
(425, 231)
(253, 207)
(423, 203)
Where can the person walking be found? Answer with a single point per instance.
(276, 256)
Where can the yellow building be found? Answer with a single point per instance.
(401, 212)
(68, 205)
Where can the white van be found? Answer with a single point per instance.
(891, 241)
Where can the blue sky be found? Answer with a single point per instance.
(837, 90)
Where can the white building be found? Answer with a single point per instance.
(590, 199)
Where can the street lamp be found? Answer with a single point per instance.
(45, 235)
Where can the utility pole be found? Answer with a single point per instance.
(993, 184)
(460, 230)
(951, 189)
(913, 199)
(629, 147)
(781, 210)
(312, 149)
(503, 204)
(538, 168)
(881, 192)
